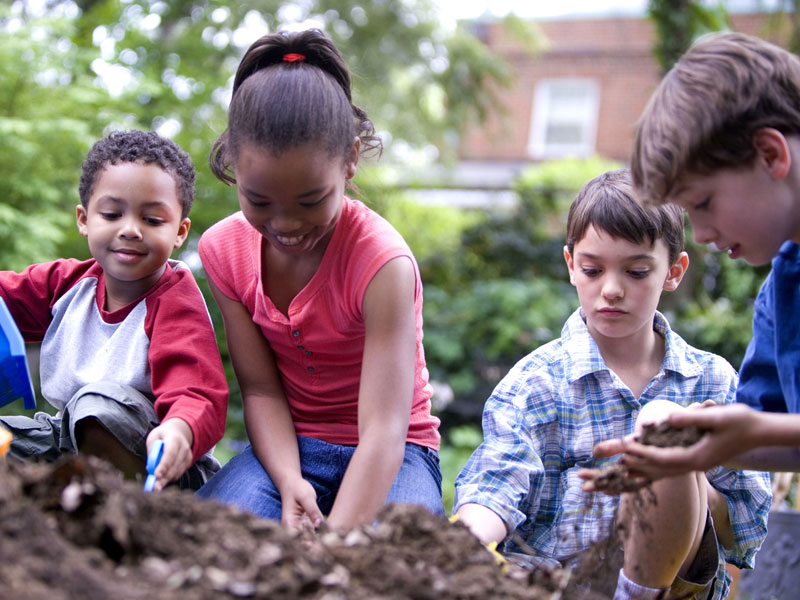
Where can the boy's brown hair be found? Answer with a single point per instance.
(704, 113)
(607, 203)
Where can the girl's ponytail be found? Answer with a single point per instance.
(279, 102)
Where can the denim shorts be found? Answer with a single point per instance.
(244, 483)
(122, 410)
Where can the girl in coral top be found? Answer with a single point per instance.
(321, 300)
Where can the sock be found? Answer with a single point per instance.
(628, 590)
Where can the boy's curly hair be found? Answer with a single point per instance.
(145, 147)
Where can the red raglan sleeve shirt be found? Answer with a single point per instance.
(186, 372)
(162, 344)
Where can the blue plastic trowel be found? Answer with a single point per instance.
(15, 379)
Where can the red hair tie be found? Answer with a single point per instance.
(293, 57)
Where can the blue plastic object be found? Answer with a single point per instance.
(153, 458)
(15, 379)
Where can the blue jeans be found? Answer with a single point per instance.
(244, 483)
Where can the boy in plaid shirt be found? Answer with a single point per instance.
(616, 366)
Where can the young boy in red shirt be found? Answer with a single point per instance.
(128, 352)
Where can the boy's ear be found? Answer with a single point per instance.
(570, 265)
(773, 151)
(351, 162)
(80, 218)
(676, 272)
(183, 231)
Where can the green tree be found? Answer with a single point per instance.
(38, 64)
(679, 22)
(79, 68)
(74, 69)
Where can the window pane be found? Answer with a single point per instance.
(564, 118)
(563, 133)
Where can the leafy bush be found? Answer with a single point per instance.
(457, 446)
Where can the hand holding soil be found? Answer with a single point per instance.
(620, 478)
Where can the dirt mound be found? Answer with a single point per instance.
(76, 530)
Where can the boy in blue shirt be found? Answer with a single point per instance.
(616, 366)
(721, 139)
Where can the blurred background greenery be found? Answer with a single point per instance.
(495, 283)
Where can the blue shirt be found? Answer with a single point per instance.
(770, 373)
(546, 415)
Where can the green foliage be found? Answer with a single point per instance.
(505, 290)
(679, 22)
(42, 148)
(458, 444)
(472, 337)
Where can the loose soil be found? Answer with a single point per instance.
(75, 530)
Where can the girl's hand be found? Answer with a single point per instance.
(178, 439)
(299, 506)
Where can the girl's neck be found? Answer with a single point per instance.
(285, 276)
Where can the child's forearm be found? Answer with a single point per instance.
(366, 483)
(272, 435)
(767, 458)
(776, 429)
(773, 442)
(483, 522)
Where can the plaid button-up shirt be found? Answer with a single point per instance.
(543, 419)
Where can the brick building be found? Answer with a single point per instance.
(580, 96)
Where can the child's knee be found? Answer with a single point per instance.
(91, 432)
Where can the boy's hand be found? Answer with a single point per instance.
(640, 463)
(726, 428)
(299, 506)
(483, 522)
(178, 439)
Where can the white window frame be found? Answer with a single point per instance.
(544, 113)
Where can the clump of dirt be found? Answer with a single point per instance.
(665, 435)
(617, 479)
(75, 529)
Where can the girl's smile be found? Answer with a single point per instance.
(294, 200)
